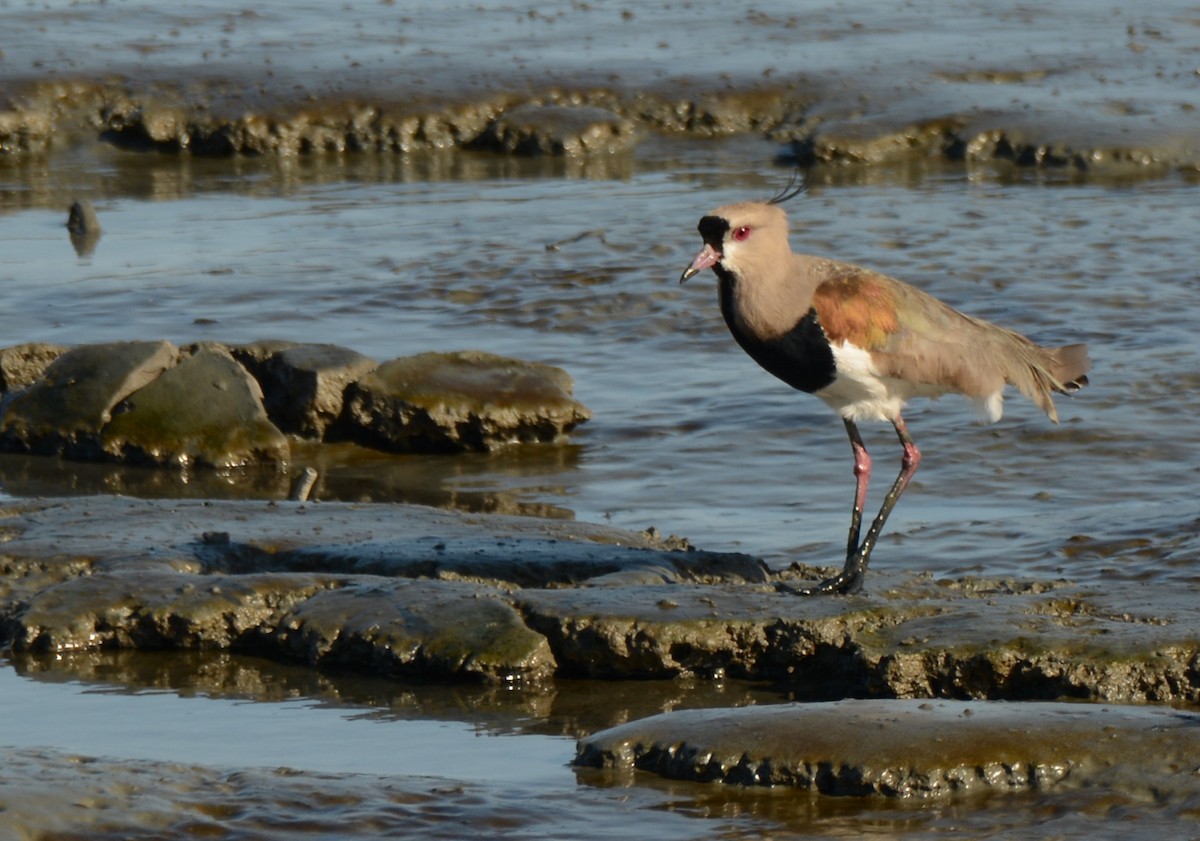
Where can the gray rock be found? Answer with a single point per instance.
(569, 130)
(64, 412)
(254, 355)
(21, 365)
(305, 385)
(453, 402)
(207, 410)
(905, 749)
(542, 562)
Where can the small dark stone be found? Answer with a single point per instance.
(83, 225)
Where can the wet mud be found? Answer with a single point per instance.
(398, 590)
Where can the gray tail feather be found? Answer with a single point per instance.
(1038, 372)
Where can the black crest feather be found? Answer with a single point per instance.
(795, 186)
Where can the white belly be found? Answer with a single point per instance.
(860, 392)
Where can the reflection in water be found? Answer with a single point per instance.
(560, 708)
(435, 758)
(515, 481)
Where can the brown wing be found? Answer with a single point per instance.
(915, 337)
(854, 306)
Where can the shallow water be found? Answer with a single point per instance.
(688, 434)
(576, 263)
(171, 745)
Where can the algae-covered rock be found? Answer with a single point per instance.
(149, 609)
(219, 406)
(63, 412)
(453, 402)
(604, 602)
(907, 749)
(206, 410)
(455, 629)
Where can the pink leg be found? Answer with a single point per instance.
(862, 476)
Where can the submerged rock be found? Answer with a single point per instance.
(906, 749)
(83, 225)
(453, 402)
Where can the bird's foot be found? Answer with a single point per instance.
(845, 583)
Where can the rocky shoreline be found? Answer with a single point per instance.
(418, 593)
(585, 122)
(379, 587)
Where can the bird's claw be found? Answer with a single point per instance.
(847, 582)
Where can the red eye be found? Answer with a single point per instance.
(741, 234)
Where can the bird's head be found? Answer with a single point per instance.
(758, 229)
(737, 235)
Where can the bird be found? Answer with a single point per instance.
(865, 343)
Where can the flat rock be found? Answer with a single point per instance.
(207, 410)
(63, 412)
(907, 749)
(607, 603)
(249, 577)
(397, 627)
(453, 402)
(152, 609)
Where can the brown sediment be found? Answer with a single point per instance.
(583, 122)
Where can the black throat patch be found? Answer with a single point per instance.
(801, 357)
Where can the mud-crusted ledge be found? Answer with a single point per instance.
(407, 590)
(573, 123)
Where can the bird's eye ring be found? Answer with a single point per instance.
(740, 234)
